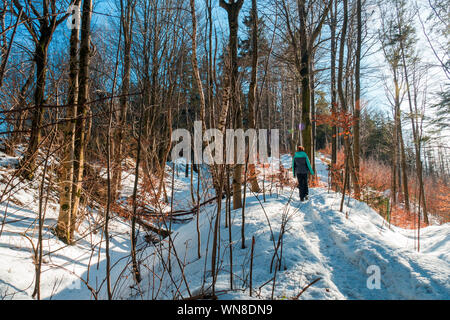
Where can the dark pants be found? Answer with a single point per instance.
(302, 185)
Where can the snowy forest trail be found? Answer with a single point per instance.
(340, 276)
(346, 249)
(346, 246)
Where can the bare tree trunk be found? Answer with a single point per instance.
(3, 39)
(346, 183)
(397, 133)
(196, 72)
(228, 222)
(313, 113)
(334, 110)
(243, 207)
(342, 97)
(197, 220)
(252, 92)
(67, 160)
(82, 109)
(394, 168)
(305, 80)
(251, 265)
(357, 114)
(233, 8)
(136, 271)
(216, 237)
(404, 168)
(198, 82)
(40, 58)
(109, 198)
(6, 51)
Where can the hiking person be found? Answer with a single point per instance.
(300, 168)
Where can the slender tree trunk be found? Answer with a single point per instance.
(233, 8)
(199, 85)
(195, 69)
(252, 92)
(5, 48)
(40, 58)
(305, 82)
(216, 233)
(357, 113)
(313, 113)
(67, 160)
(136, 271)
(394, 167)
(82, 110)
(404, 167)
(334, 133)
(342, 96)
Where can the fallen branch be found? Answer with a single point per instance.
(177, 213)
(306, 288)
(162, 232)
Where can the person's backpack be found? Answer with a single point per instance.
(300, 165)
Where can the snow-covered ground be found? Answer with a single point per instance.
(346, 251)
(7, 161)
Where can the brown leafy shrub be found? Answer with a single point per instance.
(437, 194)
(374, 175)
(375, 178)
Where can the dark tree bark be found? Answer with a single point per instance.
(233, 8)
(334, 109)
(357, 112)
(252, 91)
(342, 96)
(82, 111)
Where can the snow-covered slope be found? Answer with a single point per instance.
(319, 242)
(343, 250)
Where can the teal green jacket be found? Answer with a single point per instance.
(302, 154)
